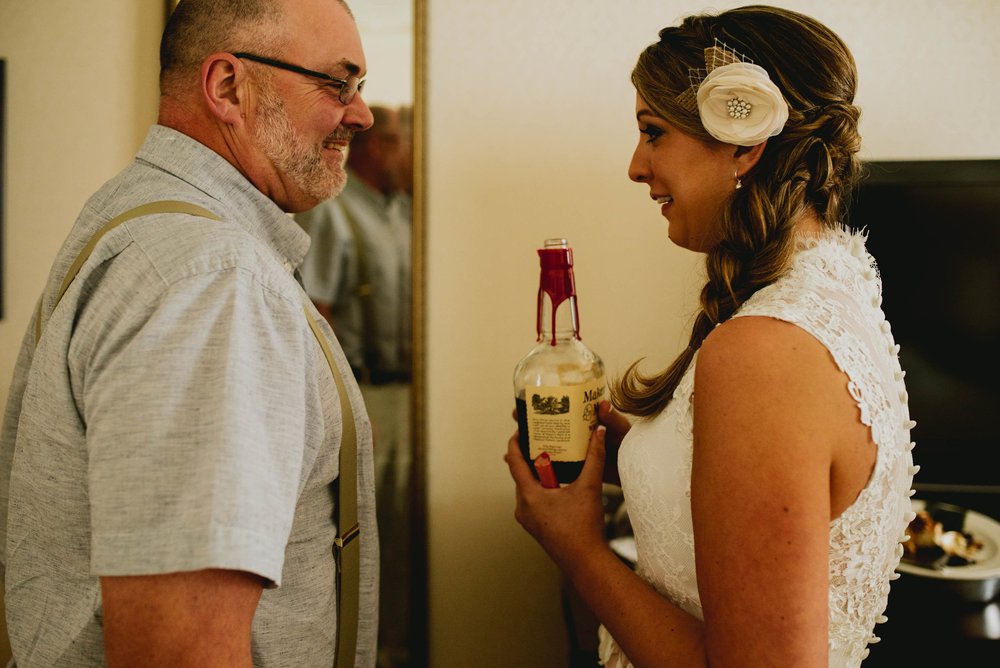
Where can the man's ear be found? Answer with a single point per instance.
(747, 157)
(223, 86)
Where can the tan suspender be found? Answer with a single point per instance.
(347, 550)
(143, 210)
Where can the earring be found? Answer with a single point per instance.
(739, 181)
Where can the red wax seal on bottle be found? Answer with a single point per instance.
(543, 466)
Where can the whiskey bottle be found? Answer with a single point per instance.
(559, 383)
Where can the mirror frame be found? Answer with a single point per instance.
(419, 594)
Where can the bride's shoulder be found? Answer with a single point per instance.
(766, 358)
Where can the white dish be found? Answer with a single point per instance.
(624, 547)
(982, 527)
(987, 564)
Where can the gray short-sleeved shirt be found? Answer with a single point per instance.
(178, 414)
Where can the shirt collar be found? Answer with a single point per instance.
(240, 202)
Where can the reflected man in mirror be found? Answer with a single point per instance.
(357, 272)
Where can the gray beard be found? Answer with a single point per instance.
(299, 162)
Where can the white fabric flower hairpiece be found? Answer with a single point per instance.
(735, 99)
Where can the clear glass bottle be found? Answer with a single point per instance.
(558, 384)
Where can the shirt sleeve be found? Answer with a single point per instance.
(194, 412)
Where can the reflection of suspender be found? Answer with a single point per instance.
(346, 550)
(366, 300)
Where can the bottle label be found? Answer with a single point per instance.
(561, 418)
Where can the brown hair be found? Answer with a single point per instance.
(810, 166)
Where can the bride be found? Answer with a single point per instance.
(767, 470)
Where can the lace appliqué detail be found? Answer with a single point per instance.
(662, 523)
(655, 460)
(832, 291)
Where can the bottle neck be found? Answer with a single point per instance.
(558, 319)
(557, 322)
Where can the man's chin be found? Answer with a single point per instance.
(335, 185)
(334, 180)
(317, 193)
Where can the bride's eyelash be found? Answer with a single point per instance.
(651, 131)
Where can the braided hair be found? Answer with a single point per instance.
(807, 169)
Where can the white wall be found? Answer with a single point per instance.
(386, 27)
(530, 131)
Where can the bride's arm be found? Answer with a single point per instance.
(568, 523)
(769, 406)
(770, 410)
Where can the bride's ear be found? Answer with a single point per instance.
(747, 157)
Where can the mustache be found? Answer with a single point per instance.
(341, 134)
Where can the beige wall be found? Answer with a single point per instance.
(81, 91)
(531, 128)
(530, 132)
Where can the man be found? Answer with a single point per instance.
(169, 457)
(357, 272)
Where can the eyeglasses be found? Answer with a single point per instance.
(345, 89)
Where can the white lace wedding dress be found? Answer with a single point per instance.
(833, 292)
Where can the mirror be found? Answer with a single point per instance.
(392, 32)
(364, 272)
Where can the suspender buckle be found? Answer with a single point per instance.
(349, 535)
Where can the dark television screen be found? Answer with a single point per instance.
(934, 230)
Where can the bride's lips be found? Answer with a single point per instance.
(664, 201)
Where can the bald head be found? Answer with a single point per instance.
(198, 28)
(386, 123)
(376, 155)
(278, 120)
